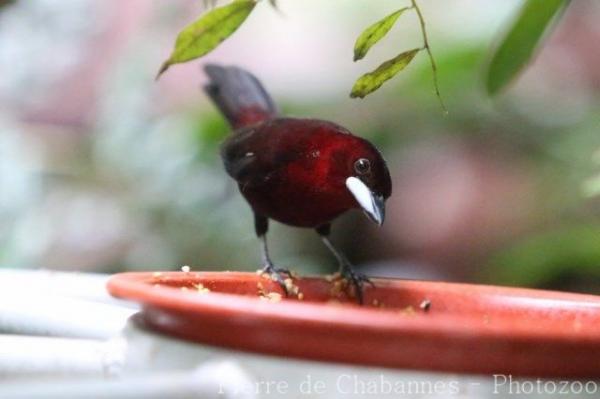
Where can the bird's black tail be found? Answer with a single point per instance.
(239, 95)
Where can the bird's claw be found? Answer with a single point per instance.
(276, 274)
(358, 280)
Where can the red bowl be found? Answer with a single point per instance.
(467, 328)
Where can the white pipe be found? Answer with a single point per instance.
(216, 379)
(59, 304)
(35, 357)
(25, 312)
(85, 286)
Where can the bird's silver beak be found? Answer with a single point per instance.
(373, 205)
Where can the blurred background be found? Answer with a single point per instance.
(104, 169)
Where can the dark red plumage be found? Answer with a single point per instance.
(301, 172)
(294, 170)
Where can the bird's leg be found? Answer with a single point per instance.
(346, 269)
(261, 225)
(268, 266)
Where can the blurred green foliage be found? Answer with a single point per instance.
(210, 129)
(543, 259)
(4, 3)
(521, 42)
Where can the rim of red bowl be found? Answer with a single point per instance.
(468, 328)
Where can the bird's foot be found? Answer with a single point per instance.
(281, 276)
(356, 280)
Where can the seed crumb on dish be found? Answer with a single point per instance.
(291, 288)
(271, 297)
(340, 286)
(409, 310)
(201, 288)
(425, 305)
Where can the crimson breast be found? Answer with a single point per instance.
(292, 170)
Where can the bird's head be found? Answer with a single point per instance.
(367, 178)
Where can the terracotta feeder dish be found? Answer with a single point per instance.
(416, 325)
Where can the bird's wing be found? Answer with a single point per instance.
(256, 154)
(251, 155)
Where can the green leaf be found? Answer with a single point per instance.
(375, 33)
(204, 35)
(521, 42)
(372, 81)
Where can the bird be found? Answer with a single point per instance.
(301, 172)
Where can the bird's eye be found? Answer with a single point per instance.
(362, 166)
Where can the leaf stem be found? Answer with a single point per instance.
(431, 59)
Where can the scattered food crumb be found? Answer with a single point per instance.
(334, 302)
(156, 285)
(185, 269)
(300, 296)
(409, 310)
(290, 287)
(156, 274)
(201, 288)
(338, 286)
(261, 289)
(425, 305)
(375, 302)
(184, 288)
(332, 277)
(271, 297)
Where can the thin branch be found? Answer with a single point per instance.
(428, 49)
